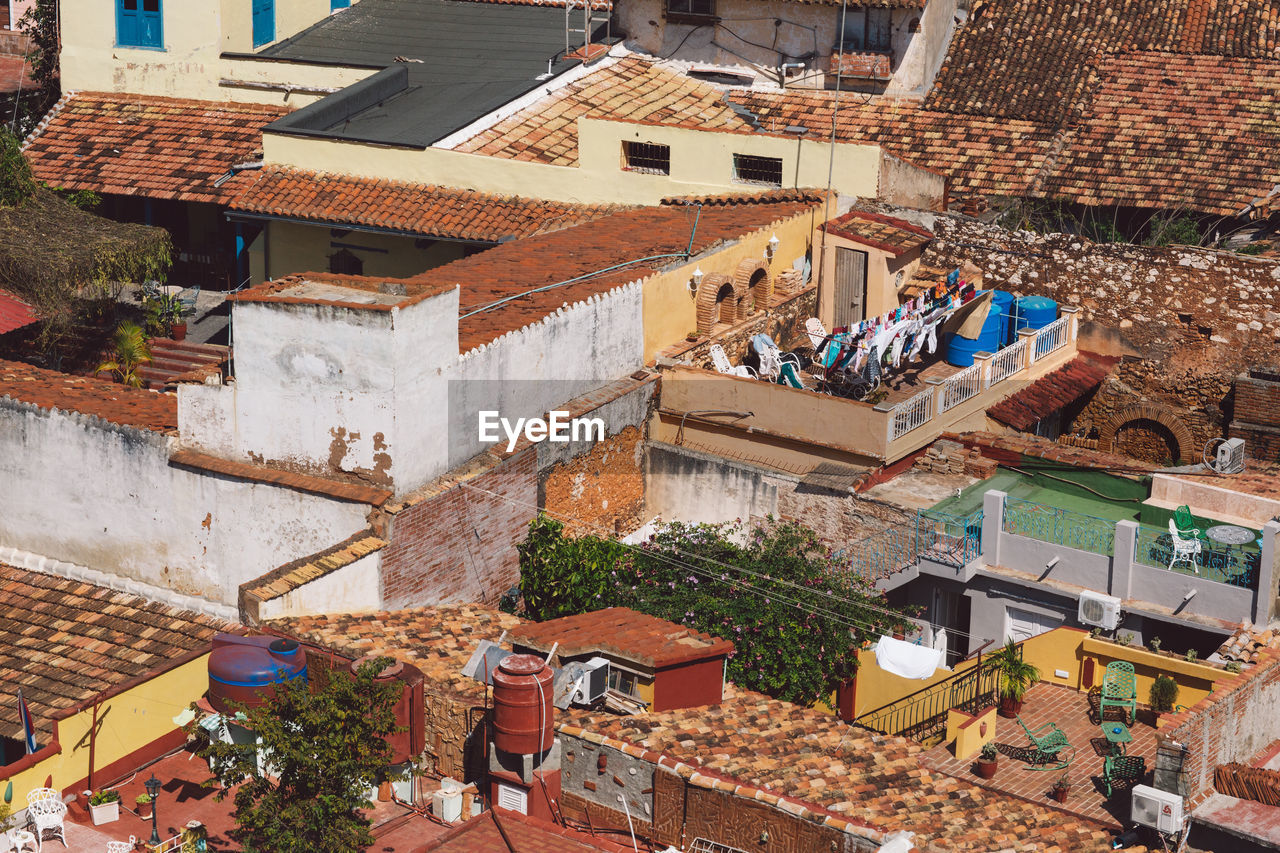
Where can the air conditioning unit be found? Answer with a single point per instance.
(1100, 610)
(594, 681)
(1157, 809)
(1230, 457)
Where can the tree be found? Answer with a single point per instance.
(325, 750)
(41, 23)
(797, 616)
(130, 351)
(561, 575)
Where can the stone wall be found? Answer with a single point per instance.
(602, 489)
(784, 322)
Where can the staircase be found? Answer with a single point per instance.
(171, 359)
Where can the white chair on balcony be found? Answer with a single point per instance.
(722, 364)
(1184, 550)
(46, 811)
(122, 846)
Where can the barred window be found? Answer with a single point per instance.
(750, 169)
(647, 157)
(691, 7)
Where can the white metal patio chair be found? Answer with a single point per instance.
(46, 811)
(122, 846)
(1184, 550)
(720, 360)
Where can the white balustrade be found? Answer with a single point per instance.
(1051, 337)
(959, 387)
(1007, 362)
(910, 414)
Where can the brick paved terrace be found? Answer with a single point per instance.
(1069, 709)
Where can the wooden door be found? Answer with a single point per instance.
(850, 287)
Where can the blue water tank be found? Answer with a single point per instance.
(245, 670)
(1002, 304)
(1034, 312)
(960, 351)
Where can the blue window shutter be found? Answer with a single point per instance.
(264, 22)
(335, 5)
(127, 22)
(139, 23)
(150, 25)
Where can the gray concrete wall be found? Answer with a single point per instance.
(691, 486)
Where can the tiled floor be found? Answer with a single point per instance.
(1069, 709)
(910, 379)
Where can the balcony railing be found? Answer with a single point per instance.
(1050, 338)
(1007, 362)
(961, 386)
(1234, 565)
(922, 715)
(911, 413)
(953, 540)
(1059, 526)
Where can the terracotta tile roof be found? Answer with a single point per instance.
(519, 834)
(354, 492)
(438, 640)
(1052, 392)
(632, 636)
(887, 233)
(632, 88)
(146, 146)
(862, 65)
(1012, 447)
(516, 267)
(292, 575)
(1174, 130)
(14, 313)
(118, 404)
(409, 208)
(65, 641)
(761, 197)
(1247, 643)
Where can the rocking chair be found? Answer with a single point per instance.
(1048, 744)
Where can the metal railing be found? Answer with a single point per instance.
(1236, 565)
(961, 386)
(1050, 338)
(883, 554)
(953, 540)
(1007, 362)
(1059, 526)
(910, 414)
(922, 715)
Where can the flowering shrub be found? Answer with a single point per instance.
(796, 616)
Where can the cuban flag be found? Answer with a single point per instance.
(28, 730)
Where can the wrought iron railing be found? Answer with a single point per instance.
(1007, 362)
(959, 387)
(1050, 338)
(1059, 526)
(884, 553)
(1236, 565)
(953, 540)
(912, 413)
(922, 715)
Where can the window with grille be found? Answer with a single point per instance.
(692, 8)
(750, 169)
(647, 157)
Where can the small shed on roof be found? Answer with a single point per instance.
(665, 664)
(868, 261)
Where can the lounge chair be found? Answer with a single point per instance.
(770, 356)
(789, 375)
(722, 364)
(1119, 690)
(1048, 745)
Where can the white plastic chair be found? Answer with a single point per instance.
(46, 812)
(722, 364)
(816, 331)
(1184, 550)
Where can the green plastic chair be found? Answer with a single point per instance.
(1048, 745)
(1122, 770)
(1186, 523)
(1119, 690)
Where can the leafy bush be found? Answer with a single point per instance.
(796, 616)
(130, 351)
(1164, 694)
(16, 183)
(989, 752)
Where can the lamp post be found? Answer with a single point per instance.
(153, 788)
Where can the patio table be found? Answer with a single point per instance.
(1117, 735)
(1230, 534)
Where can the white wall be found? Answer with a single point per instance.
(354, 588)
(78, 489)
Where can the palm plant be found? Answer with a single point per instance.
(1014, 677)
(129, 344)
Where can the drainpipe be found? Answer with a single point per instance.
(93, 740)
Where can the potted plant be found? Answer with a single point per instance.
(104, 806)
(1061, 787)
(1015, 677)
(143, 802)
(988, 760)
(1163, 696)
(164, 315)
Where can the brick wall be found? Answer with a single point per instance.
(1235, 723)
(603, 488)
(459, 545)
(784, 322)
(1256, 413)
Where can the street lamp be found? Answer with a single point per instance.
(153, 788)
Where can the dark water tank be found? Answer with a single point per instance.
(409, 708)
(960, 351)
(522, 712)
(1035, 312)
(245, 670)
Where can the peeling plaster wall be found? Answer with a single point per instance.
(78, 489)
(354, 588)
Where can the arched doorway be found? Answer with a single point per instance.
(1148, 432)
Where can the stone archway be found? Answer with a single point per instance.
(1183, 442)
(718, 301)
(752, 276)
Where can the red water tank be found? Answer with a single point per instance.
(409, 708)
(522, 713)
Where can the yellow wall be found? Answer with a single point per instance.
(1195, 680)
(971, 732)
(669, 306)
(127, 722)
(701, 163)
(294, 248)
(876, 687)
(882, 270)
